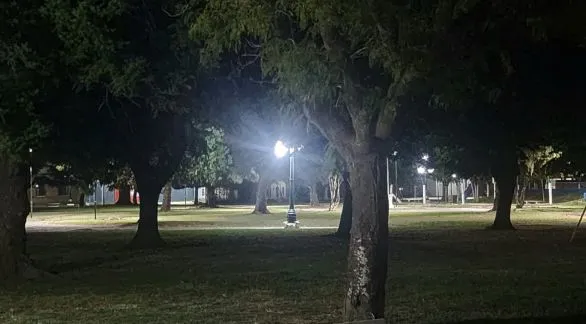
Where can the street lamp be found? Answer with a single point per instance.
(424, 172)
(280, 151)
(30, 151)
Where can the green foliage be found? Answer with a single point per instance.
(212, 167)
(27, 76)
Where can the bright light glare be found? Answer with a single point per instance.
(425, 157)
(454, 176)
(30, 150)
(430, 171)
(280, 149)
(421, 170)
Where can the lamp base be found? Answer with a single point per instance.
(294, 224)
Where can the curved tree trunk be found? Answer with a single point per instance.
(368, 251)
(313, 197)
(124, 196)
(14, 208)
(166, 204)
(505, 177)
(260, 207)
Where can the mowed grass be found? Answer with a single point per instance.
(441, 270)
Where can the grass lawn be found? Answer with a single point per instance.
(442, 270)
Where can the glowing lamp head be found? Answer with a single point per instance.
(454, 176)
(280, 149)
(421, 170)
(430, 171)
(425, 157)
(30, 150)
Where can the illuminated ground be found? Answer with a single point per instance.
(443, 268)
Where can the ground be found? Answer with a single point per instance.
(444, 267)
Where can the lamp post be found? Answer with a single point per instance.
(280, 151)
(423, 171)
(30, 151)
(396, 175)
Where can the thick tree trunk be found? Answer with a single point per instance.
(147, 235)
(368, 252)
(505, 177)
(166, 204)
(124, 196)
(521, 190)
(313, 197)
(14, 208)
(260, 206)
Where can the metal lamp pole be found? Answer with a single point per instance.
(30, 151)
(291, 215)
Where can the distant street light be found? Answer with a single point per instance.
(280, 151)
(30, 151)
(423, 171)
(425, 157)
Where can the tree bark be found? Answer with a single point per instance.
(166, 204)
(14, 208)
(313, 197)
(260, 206)
(345, 224)
(368, 251)
(147, 234)
(124, 196)
(505, 176)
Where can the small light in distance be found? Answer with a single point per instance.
(421, 170)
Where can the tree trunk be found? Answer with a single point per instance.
(345, 224)
(124, 196)
(166, 204)
(368, 251)
(212, 198)
(496, 199)
(505, 177)
(334, 184)
(521, 190)
(135, 197)
(147, 235)
(313, 197)
(14, 208)
(260, 206)
(81, 199)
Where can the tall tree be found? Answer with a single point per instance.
(344, 63)
(139, 65)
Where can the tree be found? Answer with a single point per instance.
(29, 75)
(344, 63)
(138, 65)
(532, 162)
(214, 167)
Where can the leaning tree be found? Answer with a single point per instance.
(344, 64)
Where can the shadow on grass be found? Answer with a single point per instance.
(529, 320)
